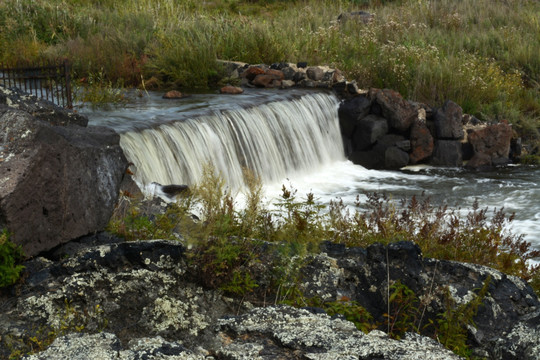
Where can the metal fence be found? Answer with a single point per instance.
(50, 82)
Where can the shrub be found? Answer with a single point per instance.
(10, 256)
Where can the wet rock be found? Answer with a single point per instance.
(447, 153)
(173, 94)
(448, 121)
(395, 158)
(368, 130)
(232, 90)
(57, 183)
(351, 111)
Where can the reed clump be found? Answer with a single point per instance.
(482, 54)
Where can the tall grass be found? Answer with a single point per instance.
(482, 54)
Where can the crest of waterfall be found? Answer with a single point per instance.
(275, 140)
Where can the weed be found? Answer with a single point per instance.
(10, 256)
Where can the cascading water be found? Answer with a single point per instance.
(274, 140)
(292, 138)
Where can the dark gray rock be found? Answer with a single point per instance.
(447, 153)
(448, 121)
(395, 158)
(57, 183)
(351, 111)
(368, 130)
(40, 109)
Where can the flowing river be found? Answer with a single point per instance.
(292, 138)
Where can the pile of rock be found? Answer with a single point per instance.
(286, 75)
(381, 130)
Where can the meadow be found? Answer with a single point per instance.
(482, 54)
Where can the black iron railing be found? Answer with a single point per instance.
(49, 81)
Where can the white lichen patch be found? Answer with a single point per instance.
(460, 300)
(11, 104)
(484, 270)
(26, 133)
(171, 313)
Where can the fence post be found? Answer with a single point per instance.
(67, 77)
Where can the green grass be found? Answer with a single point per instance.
(482, 54)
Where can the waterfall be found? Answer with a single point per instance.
(275, 140)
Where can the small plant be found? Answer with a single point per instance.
(403, 305)
(352, 311)
(98, 91)
(10, 256)
(451, 325)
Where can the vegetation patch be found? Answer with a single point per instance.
(10, 257)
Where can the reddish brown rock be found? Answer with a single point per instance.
(173, 94)
(232, 90)
(267, 81)
(491, 145)
(252, 72)
(421, 142)
(277, 74)
(399, 112)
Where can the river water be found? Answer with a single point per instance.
(292, 138)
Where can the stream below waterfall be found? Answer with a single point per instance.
(292, 138)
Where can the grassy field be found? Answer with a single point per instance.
(483, 54)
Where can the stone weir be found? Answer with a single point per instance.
(382, 130)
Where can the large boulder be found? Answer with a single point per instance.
(491, 145)
(57, 182)
(399, 112)
(448, 121)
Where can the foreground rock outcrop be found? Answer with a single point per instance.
(143, 298)
(59, 180)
